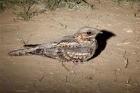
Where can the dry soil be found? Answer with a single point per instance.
(115, 70)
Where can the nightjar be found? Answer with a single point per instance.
(76, 48)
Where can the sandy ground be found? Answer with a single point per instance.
(115, 70)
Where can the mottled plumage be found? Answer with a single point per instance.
(76, 48)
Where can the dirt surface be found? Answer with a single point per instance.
(115, 70)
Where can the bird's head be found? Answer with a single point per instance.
(86, 33)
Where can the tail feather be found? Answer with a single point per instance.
(25, 51)
(47, 49)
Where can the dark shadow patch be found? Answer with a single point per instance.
(102, 41)
(31, 45)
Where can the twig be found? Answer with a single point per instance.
(23, 41)
(41, 78)
(66, 79)
(62, 25)
(125, 61)
(128, 81)
(115, 76)
(28, 39)
(64, 66)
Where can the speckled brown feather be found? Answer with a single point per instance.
(76, 48)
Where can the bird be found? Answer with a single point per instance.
(79, 47)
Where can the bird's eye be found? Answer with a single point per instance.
(89, 33)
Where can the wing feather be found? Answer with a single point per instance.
(72, 49)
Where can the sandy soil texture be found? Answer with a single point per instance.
(115, 70)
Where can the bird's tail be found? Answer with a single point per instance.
(29, 49)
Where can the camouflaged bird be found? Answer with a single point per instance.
(76, 48)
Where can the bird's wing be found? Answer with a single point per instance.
(72, 49)
(67, 42)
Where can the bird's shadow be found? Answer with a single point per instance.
(102, 41)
